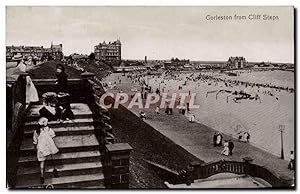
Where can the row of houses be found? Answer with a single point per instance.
(54, 52)
(110, 51)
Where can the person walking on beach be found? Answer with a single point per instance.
(230, 146)
(192, 118)
(240, 136)
(171, 111)
(157, 91)
(157, 110)
(219, 139)
(180, 109)
(167, 109)
(183, 111)
(215, 139)
(225, 151)
(247, 136)
(188, 107)
(291, 165)
(142, 115)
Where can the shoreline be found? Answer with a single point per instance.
(211, 111)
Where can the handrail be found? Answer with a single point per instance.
(93, 92)
(204, 170)
(164, 172)
(54, 79)
(201, 171)
(50, 82)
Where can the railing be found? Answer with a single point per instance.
(209, 169)
(116, 155)
(201, 171)
(93, 91)
(165, 173)
(75, 88)
(198, 170)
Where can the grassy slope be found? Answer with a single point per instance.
(147, 144)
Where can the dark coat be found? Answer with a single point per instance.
(62, 83)
(215, 138)
(230, 145)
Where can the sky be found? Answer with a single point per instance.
(158, 32)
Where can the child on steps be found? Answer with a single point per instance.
(44, 144)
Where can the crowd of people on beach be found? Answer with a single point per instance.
(214, 79)
(231, 87)
(170, 81)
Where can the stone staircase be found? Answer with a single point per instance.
(79, 160)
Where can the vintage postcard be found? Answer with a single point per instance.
(184, 97)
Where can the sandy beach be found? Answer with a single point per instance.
(260, 118)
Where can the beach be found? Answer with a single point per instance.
(261, 118)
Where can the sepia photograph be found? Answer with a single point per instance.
(150, 97)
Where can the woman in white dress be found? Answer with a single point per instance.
(31, 92)
(44, 144)
(225, 151)
(219, 139)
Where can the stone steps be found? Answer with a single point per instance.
(76, 116)
(79, 110)
(76, 181)
(71, 123)
(95, 187)
(65, 131)
(78, 161)
(62, 158)
(63, 170)
(65, 144)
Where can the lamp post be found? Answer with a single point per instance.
(281, 129)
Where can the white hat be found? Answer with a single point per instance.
(43, 121)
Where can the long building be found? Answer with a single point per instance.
(108, 51)
(54, 52)
(176, 64)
